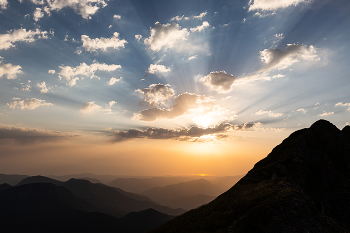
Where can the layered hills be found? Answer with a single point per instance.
(303, 185)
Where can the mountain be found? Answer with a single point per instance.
(225, 182)
(45, 207)
(303, 185)
(189, 202)
(11, 179)
(140, 185)
(5, 186)
(170, 194)
(105, 199)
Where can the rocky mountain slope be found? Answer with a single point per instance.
(303, 185)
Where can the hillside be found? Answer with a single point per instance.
(303, 185)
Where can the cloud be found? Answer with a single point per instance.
(200, 28)
(325, 114)
(189, 104)
(109, 106)
(7, 40)
(26, 87)
(23, 136)
(200, 16)
(302, 110)
(156, 94)
(179, 18)
(279, 59)
(43, 88)
(192, 134)
(138, 37)
(154, 68)
(117, 16)
(114, 80)
(270, 5)
(52, 71)
(32, 103)
(90, 107)
(192, 57)
(9, 70)
(69, 73)
(85, 8)
(165, 36)
(343, 105)
(270, 113)
(38, 14)
(3, 4)
(219, 81)
(92, 45)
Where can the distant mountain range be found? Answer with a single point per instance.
(188, 194)
(105, 199)
(303, 185)
(45, 207)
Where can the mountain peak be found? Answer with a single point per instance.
(303, 185)
(322, 126)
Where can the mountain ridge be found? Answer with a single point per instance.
(303, 185)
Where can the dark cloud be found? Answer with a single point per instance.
(192, 134)
(184, 102)
(29, 136)
(219, 81)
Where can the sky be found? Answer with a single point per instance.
(135, 87)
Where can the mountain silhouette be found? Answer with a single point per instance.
(105, 199)
(45, 207)
(11, 179)
(171, 195)
(140, 185)
(303, 185)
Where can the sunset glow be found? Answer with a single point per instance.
(165, 87)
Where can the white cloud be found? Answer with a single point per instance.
(83, 69)
(156, 94)
(343, 105)
(279, 59)
(219, 81)
(270, 113)
(192, 57)
(154, 68)
(109, 107)
(43, 88)
(200, 28)
(270, 5)
(91, 45)
(138, 37)
(28, 103)
(9, 70)
(3, 4)
(38, 14)
(85, 8)
(200, 16)
(114, 80)
(73, 82)
(325, 114)
(90, 107)
(26, 87)
(52, 71)
(165, 36)
(117, 16)
(179, 18)
(302, 110)
(7, 40)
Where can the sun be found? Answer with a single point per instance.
(204, 121)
